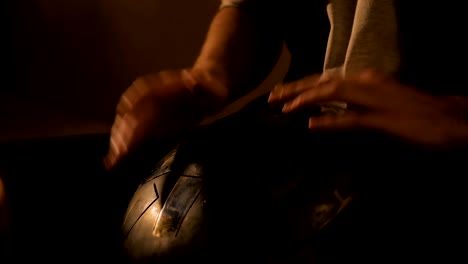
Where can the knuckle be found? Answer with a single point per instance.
(371, 75)
(333, 88)
(141, 80)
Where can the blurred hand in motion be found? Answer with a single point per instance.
(379, 102)
(159, 106)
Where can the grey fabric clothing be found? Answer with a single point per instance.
(363, 34)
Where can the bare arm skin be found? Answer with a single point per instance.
(240, 51)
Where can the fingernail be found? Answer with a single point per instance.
(287, 107)
(275, 94)
(271, 97)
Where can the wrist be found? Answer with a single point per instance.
(209, 88)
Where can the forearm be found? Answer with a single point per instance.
(239, 52)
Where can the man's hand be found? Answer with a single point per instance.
(159, 106)
(379, 102)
